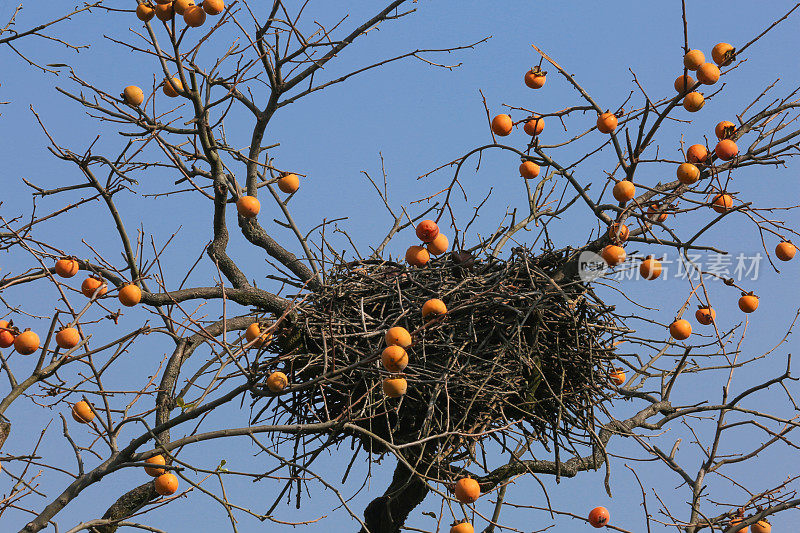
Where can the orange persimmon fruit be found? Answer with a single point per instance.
(534, 126)
(624, 190)
(535, 78)
(502, 125)
(613, 255)
(654, 213)
(82, 412)
(417, 256)
(7, 334)
(194, 16)
(248, 206)
(398, 336)
(277, 381)
(172, 86)
(529, 170)
(427, 230)
(693, 59)
(434, 306)
(736, 521)
(650, 268)
(145, 12)
(254, 332)
(462, 527)
(724, 129)
(289, 183)
(439, 245)
(748, 302)
(67, 338)
(213, 7)
(166, 484)
(705, 315)
(133, 95)
(684, 83)
(762, 526)
(91, 284)
(680, 329)
(395, 387)
(66, 268)
(599, 517)
(607, 122)
(688, 173)
(708, 73)
(726, 149)
(785, 251)
(467, 490)
(693, 102)
(155, 460)
(723, 54)
(180, 6)
(130, 295)
(697, 153)
(722, 202)
(618, 233)
(164, 12)
(26, 342)
(394, 358)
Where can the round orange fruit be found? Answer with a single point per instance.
(467, 490)
(534, 126)
(66, 268)
(680, 329)
(439, 245)
(166, 484)
(613, 255)
(624, 190)
(248, 206)
(785, 251)
(693, 102)
(607, 122)
(529, 170)
(394, 358)
(693, 59)
(398, 336)
(427, 230)
(722, 54)
(535, 79)
(395, 387)
(688, 173)
(67, 338)
(289, 183)
(417, 256)
(502, 125)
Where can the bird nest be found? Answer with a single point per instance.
(513, 349)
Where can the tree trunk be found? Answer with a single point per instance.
(387, 513)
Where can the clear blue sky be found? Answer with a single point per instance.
(417, 117)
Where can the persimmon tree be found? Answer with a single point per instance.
(469, 363)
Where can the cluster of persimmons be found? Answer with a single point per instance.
(698, 157)
(688, 173)
(27, 342)
(193, 15)
(67, 338)
(394, 356)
